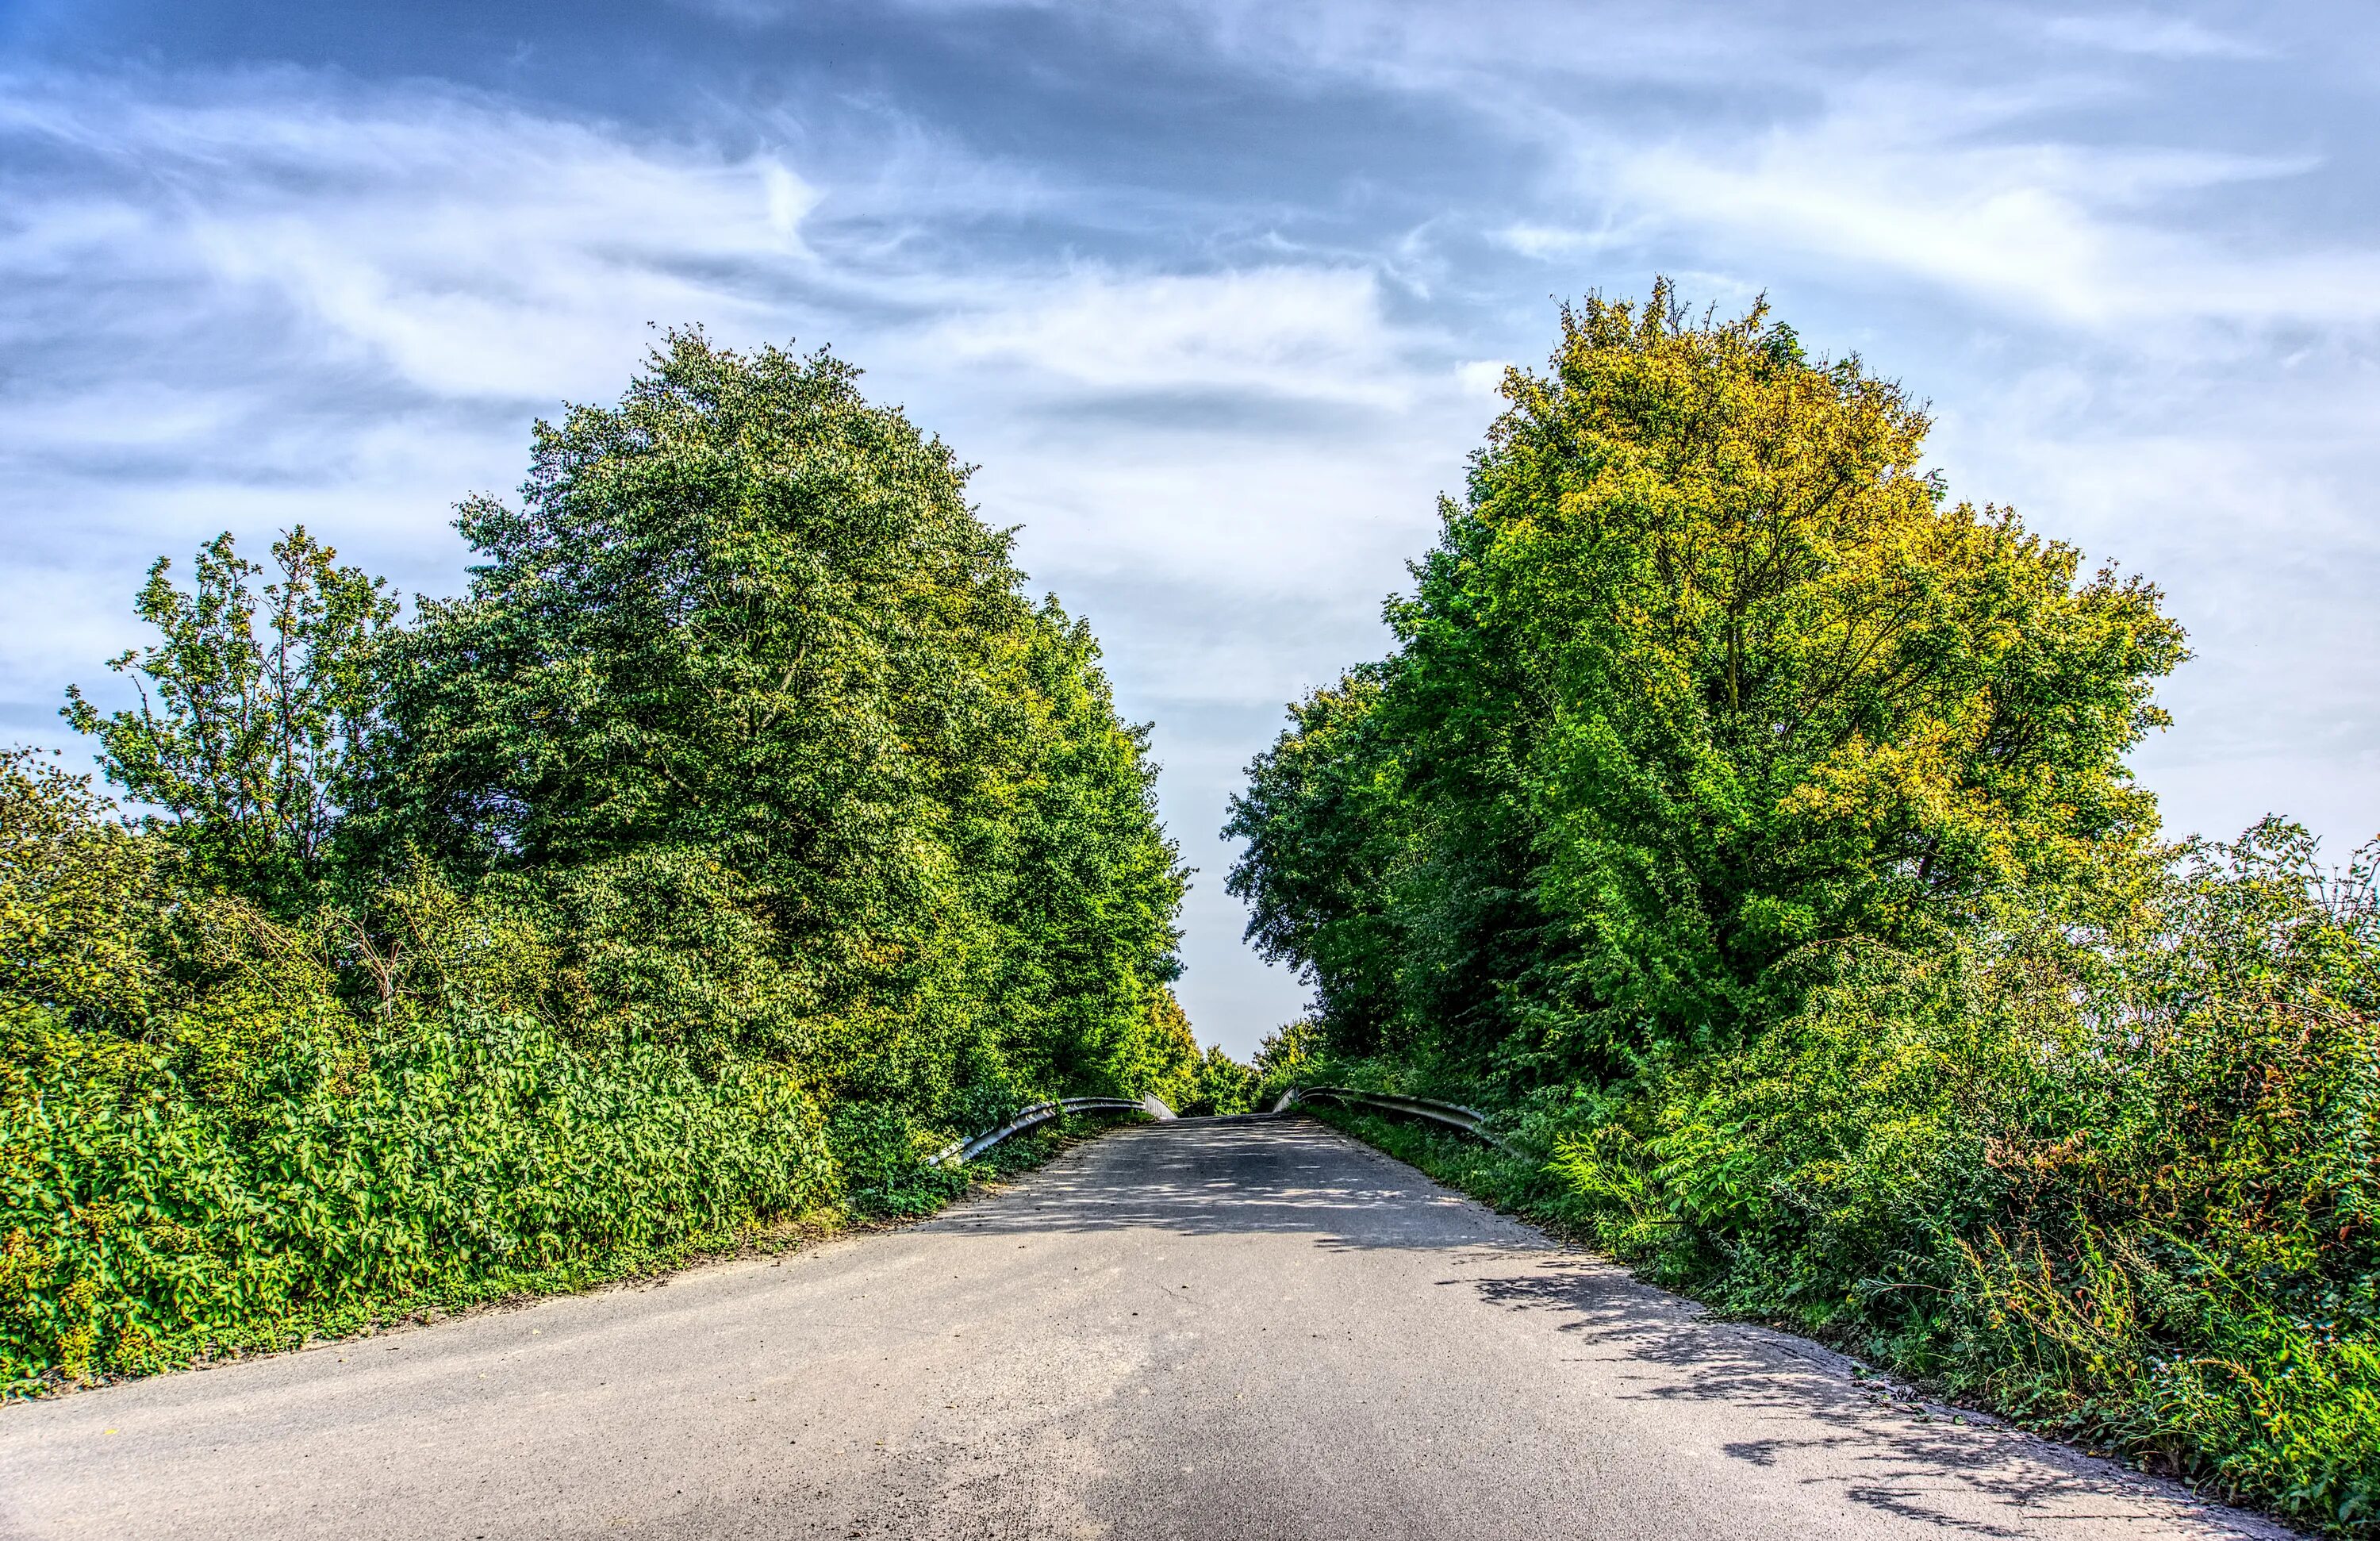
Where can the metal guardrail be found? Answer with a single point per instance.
(1042, 1112)
(1471, 1121)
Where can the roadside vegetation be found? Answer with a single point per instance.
(742, 834)
(1744, 821)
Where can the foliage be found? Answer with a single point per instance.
(101, 937)
(1168, 1062)
(249, 742)
(1286, 1056)
(1701, 672)
(1165, 1058)
(740, 837)
(1327, 832)
(1746, 823)
(1222, 1087)
(746, 693)
(73, 937)
(144, 1223)
(2120, 1180)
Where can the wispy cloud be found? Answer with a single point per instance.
(461, 246)
(2143, 32)
(1970, 192)
(1302, 332)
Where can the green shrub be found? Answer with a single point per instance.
(142, 1224)
(2118, 1181)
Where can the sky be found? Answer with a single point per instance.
(1216, 294)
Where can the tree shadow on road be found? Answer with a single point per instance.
(1878, 1446)
(1195, 1177)
(1862, 1437)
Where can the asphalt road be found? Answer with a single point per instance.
(1221, 1328)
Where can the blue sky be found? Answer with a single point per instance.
(1215, 293)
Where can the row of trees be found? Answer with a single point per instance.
(739, 833)
(1751, 820)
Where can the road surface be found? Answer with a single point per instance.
(1221, 1329)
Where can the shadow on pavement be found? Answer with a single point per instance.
(1878, 1451)
(1294, 1175)
(1196, 1177)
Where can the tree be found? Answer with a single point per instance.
(743, 676)
(77, 934)
(743, 832)
(1323, 822)
(1702, 674)
(249, 743)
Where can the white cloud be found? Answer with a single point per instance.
(1950, 191)
(1997, 184)
(1317, 333)
(466, 248)
(1483, 378)
(1549, 242)
(2156, 36)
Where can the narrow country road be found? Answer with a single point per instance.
(1224, 1329)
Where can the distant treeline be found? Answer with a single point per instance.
(740, 834)
(1749, 820)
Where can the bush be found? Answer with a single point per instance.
(141, 1224)
(2120, 1181)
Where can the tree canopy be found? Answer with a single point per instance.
(744, 651)
(249, 745)
(1702, 672)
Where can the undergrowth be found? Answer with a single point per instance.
(485, 1163)
(2152, 1244)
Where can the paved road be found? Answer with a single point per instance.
(1245, 1329)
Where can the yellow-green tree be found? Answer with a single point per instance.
(1704, 670)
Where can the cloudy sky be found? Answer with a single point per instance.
(1215, 292)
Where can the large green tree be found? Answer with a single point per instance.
(1702, 674)
(743, 676)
